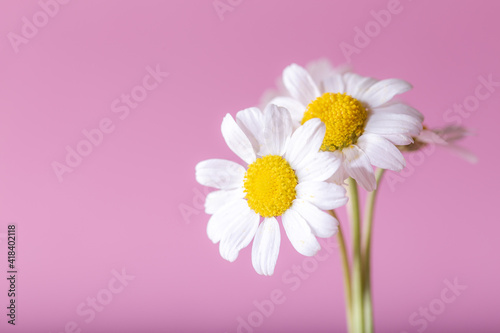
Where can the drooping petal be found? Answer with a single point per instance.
(266, 247)
(251, 122)
(217, 199)
(221, 221)
(239, 234)
(447, 137)
(383, 91)
(295, 108)
(221, 174)
(322, 224)
(236, 140)
(299, 84)
(299, 233)
(277, 129)
(318, 168)
(381, 152)
(463, 153)
(323, 195)
(358, 166)
(305, 142)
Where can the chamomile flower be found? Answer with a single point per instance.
(363, 124)
(445, 137)
(284, 175)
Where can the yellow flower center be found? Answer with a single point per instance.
(343, 116)
(270, 185)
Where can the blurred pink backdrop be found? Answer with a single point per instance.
(117, 242)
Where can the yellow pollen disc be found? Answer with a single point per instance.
(270, 185)
(343, 116)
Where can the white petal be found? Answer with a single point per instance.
(381, 152)
(334, 84)
(319, 69)
(251, 122)
(399, 108)
(388, 123)
(266, 246)
(277, 129)
(221, 221)
(398, 139)
(356, 85)
(322, 224)
(358, 166)
(236, 140)
(299, 233)
(340, 175)
(238, 234)
(221, 174)
(305, 142)
(299, 84)
(323, 195)
(217, 199)
(319, 167)
(295, 108)
(383, 91)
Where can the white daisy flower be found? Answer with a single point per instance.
(363, 124)
(445, 137)
(285, 178)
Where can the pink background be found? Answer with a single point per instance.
(121, 207)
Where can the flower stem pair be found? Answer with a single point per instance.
(357, 275)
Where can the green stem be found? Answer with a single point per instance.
(357, 274)
(367, 232)
(347, 272)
